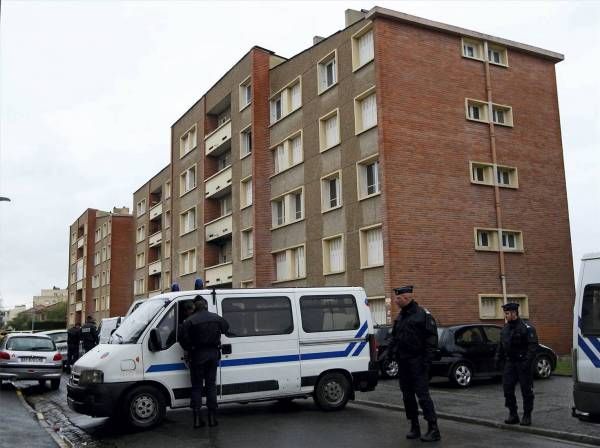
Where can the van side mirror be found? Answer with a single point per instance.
(154, 344)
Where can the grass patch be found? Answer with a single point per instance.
(563, 366)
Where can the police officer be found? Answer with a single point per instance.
(73, 340)
(414, 344)
(89, 334)
(518, 344)
(201, 337)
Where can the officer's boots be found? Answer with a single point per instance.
(513, 418)
(198, 422)
(212, 418)
(415, 429)
(433, 433)
(526, 420)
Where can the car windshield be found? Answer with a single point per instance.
(30, 344)
(59, 337)
(135, 324)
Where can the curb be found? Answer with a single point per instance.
(571, 437)
(42, 421)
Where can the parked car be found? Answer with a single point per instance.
(387, 366)
(60, 339)
(467, 351)
(26, 356)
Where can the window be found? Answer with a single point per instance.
(141, 207)
(223, 117)
(225, 205)
(490, 306)
(482, 173)
(167, 219)
(477, 110)
(98, 235)
(168, 189)
(246, 142)
(331, 191)
(167, 249)
(288, 153)
(365, 111)
(245, 93)
(246, 192)
(290, 264)
(187, 262)
(167, 282)
(368, 178)
(286, 100)
(472, 48)
(327, 71)
(187, 221)
(371, 247)
(486, 239)
(225, 252)
(108, 277)
(103, 250)
(329, 130)
(512, 241)
(502, 115)
(104, 230)
(138, 286)
(187, 142)
(492, 334)
(506, 176)
(329, 313)
(258, 316)
(167, 328)
(103, 278)
(140, 234)
(497, 55)
(140, 260)
(96, 258)
(247, 284)
(95, 281)
(287, 208)
(224, 160)
(333, 255)
(469, 337)
(108, 252)
(378, 309)
(362, 47)
(247, 244)
(590, 311)
(187, 180)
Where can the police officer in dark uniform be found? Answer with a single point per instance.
(89, 334)
(414, 344)
(517, 348)
(73, 340)
(201, 337)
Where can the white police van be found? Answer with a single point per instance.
(283, 343)
(586, 338)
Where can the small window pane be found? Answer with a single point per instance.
(493, 334)
(166, 329)
(258, 316)
(328, 313)
(590, 311)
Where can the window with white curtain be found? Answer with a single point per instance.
(295, 94)
(246, 193)
(96, 258)
(187, 262)
(140, 234)
(299, 262)
(362, 47)
(246, 142)
(281, 265)
(290, 264)
(140, 260)
(187, 221)
(331, 191)
(247, 243)
(333, 255)
(287, 208)
(278, 212)
(141, 207)
(187, 180)
(368, 178)
(225, 205)
(329, 130)
(288, 153)
(365, 111)
(245, 93)
(286, 101)
(187, 142)
(371, 247)
(327, 71)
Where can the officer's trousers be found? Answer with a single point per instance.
(413, 374)
(518, 372)
(72, 354)
(204, 376)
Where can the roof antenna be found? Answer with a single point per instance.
(213, 293)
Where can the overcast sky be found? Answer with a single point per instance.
(89, 91)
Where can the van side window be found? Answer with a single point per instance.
(329, 313)
(258, 316)
(590, 311)
(186, 309)
(166, 329)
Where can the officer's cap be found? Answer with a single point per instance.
(510, 307)
(404, 290)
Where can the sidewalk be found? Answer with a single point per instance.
(483, 403)
(20, 426)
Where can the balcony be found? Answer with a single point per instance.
(219, 227)
(219, 184)
(80, 242)
(218, 140)
(78, 306)
(156, 211)
(218, 274)
(155, 268)
(155, 239)
(79, 285)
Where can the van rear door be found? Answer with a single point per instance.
(588, 323)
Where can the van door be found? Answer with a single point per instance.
(168, 365)
(260, 353)
(588, 331)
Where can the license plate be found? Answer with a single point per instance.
(32, 359)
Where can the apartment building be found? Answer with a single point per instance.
(101, 264)
(395, 151)
(49, 297)
(152, 210)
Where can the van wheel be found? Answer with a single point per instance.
(55, 384)
(144, 407)
(461, 374)
(332, 392)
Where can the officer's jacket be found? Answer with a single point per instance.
(89, 334)
(518, 342)
(201, 332)
(73, 336)
(414, 333)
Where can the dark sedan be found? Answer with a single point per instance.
(467, 352)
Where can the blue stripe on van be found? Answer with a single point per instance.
(361, 330)
(359, 349)
(263, 360)
(588, 351)
(166, 367)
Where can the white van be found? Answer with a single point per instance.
(283, 343)
(586, 338)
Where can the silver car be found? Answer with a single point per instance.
(60, 339)
(26, 356)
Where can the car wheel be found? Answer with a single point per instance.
(55, 384)
(389, 368)
(542, 367)
(332, 391)
(42, 383)
(461, 374)
(144, 407)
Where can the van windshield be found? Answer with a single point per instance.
(135, 324)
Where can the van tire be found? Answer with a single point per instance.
(332, 392)
(144, 407)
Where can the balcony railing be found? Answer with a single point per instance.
(216, 141)
(219, 184)
(156, 211)
(155, 268)
(155, 239)
(219, 274)
(219, 227)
